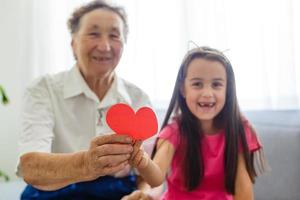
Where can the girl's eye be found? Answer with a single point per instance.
(197, 84)
(217, 85)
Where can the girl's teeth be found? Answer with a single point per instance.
(207, 104)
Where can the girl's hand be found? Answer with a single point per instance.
(139, 158)
(137, 195)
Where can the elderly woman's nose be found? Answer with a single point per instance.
(103, 44)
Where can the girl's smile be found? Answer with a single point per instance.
(206, 106)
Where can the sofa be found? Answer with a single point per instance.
(279, 132)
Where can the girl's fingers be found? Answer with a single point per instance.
(136, 148)
(138, 158)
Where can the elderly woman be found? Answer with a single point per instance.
(66, 147)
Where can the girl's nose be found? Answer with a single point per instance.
(207, 92)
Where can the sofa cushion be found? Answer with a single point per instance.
(279, 132)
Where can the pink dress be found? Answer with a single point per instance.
(212, 186)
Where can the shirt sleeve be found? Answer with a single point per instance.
(37, 120)
(251, 137)
(171, 134)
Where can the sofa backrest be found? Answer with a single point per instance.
(279, 132)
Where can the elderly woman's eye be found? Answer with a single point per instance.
(94, 34)
(115, 36)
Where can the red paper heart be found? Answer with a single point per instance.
(140, 125)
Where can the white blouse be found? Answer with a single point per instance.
(62, 114)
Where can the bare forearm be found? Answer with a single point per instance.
(152, 174)
(48, 171)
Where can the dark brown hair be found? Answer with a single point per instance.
(229, 119)
(74, 20)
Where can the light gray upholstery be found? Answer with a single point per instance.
(279, 132)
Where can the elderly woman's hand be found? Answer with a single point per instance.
(107, 155)
(137, 195)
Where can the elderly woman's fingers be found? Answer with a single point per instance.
(113, 169)
(111, 160)
(113, 149)
(106, 151)
(110, 139)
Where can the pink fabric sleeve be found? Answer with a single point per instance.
(251, 137)
(171, 134)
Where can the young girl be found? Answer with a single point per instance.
(206, 148)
